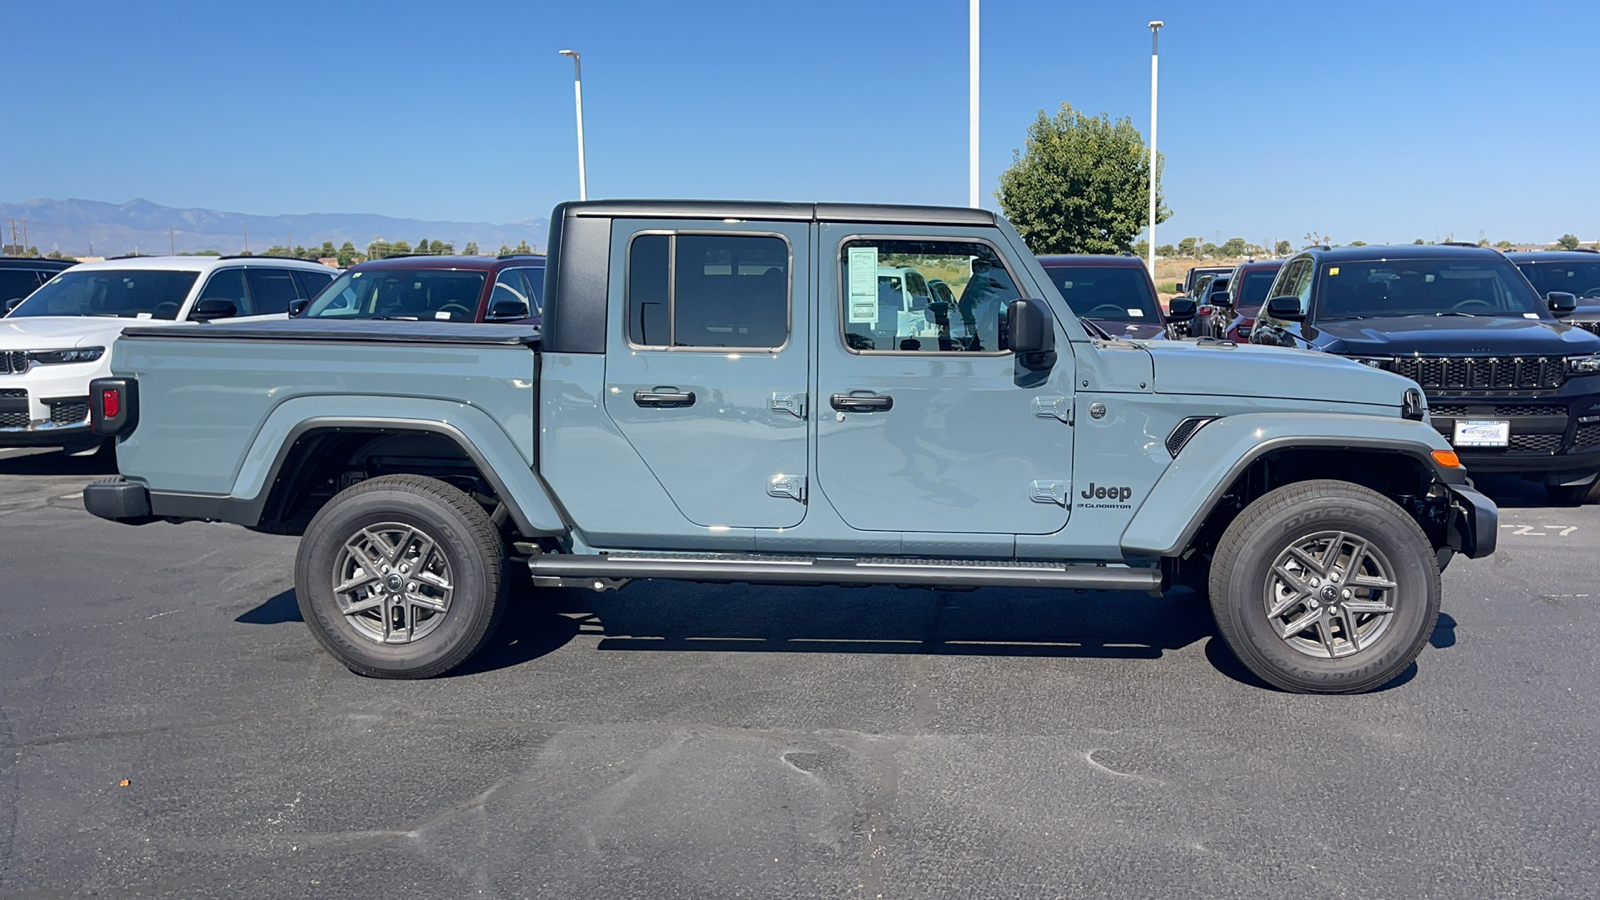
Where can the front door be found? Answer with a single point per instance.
(925, 421)
(707, 365)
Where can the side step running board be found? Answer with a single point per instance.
(609, 571)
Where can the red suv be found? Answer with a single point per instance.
(446, 288)
(1114, 292)
(1247, 290)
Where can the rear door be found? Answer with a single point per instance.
(707, 364)
(929, 424)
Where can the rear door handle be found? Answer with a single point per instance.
(664, 398)
(859, 403)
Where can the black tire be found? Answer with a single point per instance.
(1322, 659)
(462, 544)
(1574, 495)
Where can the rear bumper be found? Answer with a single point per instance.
(1474, 522)
(119, 501)
(44, 434)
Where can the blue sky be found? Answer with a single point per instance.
(1372, 121)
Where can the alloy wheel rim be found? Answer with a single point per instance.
(1330, 594)
(393, 583)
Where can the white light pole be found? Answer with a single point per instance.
(577, 93)
(972, 105)
(1155, 37)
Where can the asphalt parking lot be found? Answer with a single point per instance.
(170, 728)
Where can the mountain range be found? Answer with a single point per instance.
(97, 228)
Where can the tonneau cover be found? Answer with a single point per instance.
(352, 331)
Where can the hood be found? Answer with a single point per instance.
(57, 332)
(1252, 370)
(1452, 336)
(1133, 331)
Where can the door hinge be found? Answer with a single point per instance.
(791, 486)
(1053, 408)
(793, 403)
(1049, 492)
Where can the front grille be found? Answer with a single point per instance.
(1244, 332)
(1587, 436)
(1535, 443)
(1485, 372)
(13, 394)
(13, 361)
(1593, 327)
(14, 419)
(69, 412)
(1500, 409)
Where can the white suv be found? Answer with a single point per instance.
(56, 340)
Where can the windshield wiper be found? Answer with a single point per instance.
(1094, 329)
(1455, 313)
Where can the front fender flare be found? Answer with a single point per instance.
(1221, 451)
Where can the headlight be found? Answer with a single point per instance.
(76, 355)
(1583, 365)
(1376, 362)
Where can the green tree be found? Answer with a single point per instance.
(523, 248)
(379, 248)
(422, 246)
(1282, 248)
(1166, 250)
(1568, 242)
(440, 248)
(279, 250)
(399, 247)
(299, 252)
(1141, 248)
(1081, 185)
(1419, 241)
(1235, 247)
(327, 250)
(1208, 250)
(505, 249)
(1186, 247)
(1358, 243)
(1503, 245)
(346, 255)
(471, 249)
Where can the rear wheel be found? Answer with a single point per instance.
(400, 577)
(1574, 495)
(1325, 587)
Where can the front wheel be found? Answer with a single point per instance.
(1325, 587)
(400, 577)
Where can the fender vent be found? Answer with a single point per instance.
(1185, 430)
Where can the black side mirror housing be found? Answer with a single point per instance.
(13, 303)
(1561, 303)
(1287, 308)
(209, 309)
(296, 307)
(1032, 333)
(506, 311)
(1180, 309)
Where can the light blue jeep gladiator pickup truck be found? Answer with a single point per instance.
(738, 392)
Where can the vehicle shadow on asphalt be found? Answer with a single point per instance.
(57, 463)
(668, 617)
(1511, 492)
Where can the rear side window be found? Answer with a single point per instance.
(312, 283)
(271, 289)
(708, 291)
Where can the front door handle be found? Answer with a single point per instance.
(859, 403)
(664, 398)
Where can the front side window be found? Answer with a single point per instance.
(1582, 279)
(1363, 289)
(883, 310)
(121, 293)
(1115, 294)
(708, 291)
(18, 283)
(312, 283)
(416, 294)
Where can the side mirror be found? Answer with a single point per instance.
(13, 303)
(1561, 303)
(298, 306)
(1180, 309)
(506, 311)
(210, 309)
(1287, 308)
(1032, 333)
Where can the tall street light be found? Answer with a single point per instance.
(1155, 37)
(972, 104)
(577, 93)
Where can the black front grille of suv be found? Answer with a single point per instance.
(13, 361)
(1483, 372)
(1593, 327)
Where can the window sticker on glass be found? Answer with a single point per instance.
(1333, 270)
(1135, 312)
(864, 285)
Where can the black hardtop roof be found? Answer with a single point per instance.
(355, 331)
(1566, 256)
(33, 262)
(1403, 251)
(881, 213)
(417, 261)
(1105, 260)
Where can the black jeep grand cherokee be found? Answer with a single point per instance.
(1513, 388)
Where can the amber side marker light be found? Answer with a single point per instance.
(1447, 458)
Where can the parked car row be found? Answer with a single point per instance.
(61, 319)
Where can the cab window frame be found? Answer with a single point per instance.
(672, 290)
(842, 291)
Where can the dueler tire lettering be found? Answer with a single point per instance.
(1250, 579)
(462, 534)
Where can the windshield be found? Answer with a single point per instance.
(1424, 287)
(1103, 292)
(124, 293)
(1581, 278)
(1253, 289)
(447, 294)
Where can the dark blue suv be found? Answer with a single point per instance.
(1510, 385)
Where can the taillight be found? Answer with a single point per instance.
(113, 405)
